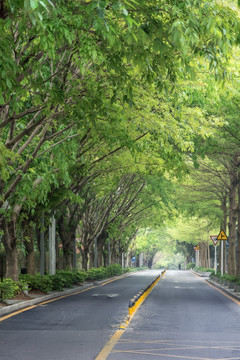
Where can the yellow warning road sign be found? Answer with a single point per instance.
(222, 236)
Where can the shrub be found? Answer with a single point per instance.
(191, 265)
(67, 277)
(58, 282)
(9, 289)
(230, 278)
(114, 270)
(97, 273)
(37, 282)
(202, 269)
(79, 276)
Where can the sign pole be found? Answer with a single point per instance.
(215, 259)
(222, 236)
(221, 258)
(215, 241)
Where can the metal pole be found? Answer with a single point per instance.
(42, 248)
(215, 259)
(221, 257)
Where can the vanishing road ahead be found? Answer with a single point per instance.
(182, 318)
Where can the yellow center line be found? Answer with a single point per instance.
(107, 349)
(110, 345)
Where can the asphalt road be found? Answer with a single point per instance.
(183, 318)
(72, 328)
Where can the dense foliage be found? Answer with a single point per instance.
(103, 108)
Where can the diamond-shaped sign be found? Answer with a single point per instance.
(222, 236)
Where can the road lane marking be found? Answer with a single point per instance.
(43, 303)
(180, 345)
(107, 349)
(107, 295)
(110, 345)
(178, 341)
(222, 292)
(160, 354)
(58, 298)
(139, 352)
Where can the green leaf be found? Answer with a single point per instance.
(43, 4)
(1, 99)
(34, 4)
(9, 84)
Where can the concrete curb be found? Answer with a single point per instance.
(27, 303)
(218, 286)
(224, 289)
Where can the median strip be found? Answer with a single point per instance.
(134, 304)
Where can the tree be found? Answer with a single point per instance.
(62, 68)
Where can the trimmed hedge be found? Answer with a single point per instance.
(191, 265)
(9, 289)
(57, 282)
(202, 269)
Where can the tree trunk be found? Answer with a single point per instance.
(100, 244)
(30, 256)
(10, 244)
(68, 253)
(114, 251)
(238, 230)
(232, 225)
(67, 235)
(150, 261)
(85, 259)
(202, 254)
(208, 253)
(91, 256)
(29, 247)
(105, 257)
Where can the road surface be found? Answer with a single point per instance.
(182, 319)
(75, 327)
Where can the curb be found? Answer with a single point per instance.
(223, 288)
(218, 286)
(138, 299)
(58, 294)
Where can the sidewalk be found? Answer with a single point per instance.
(15, 305)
